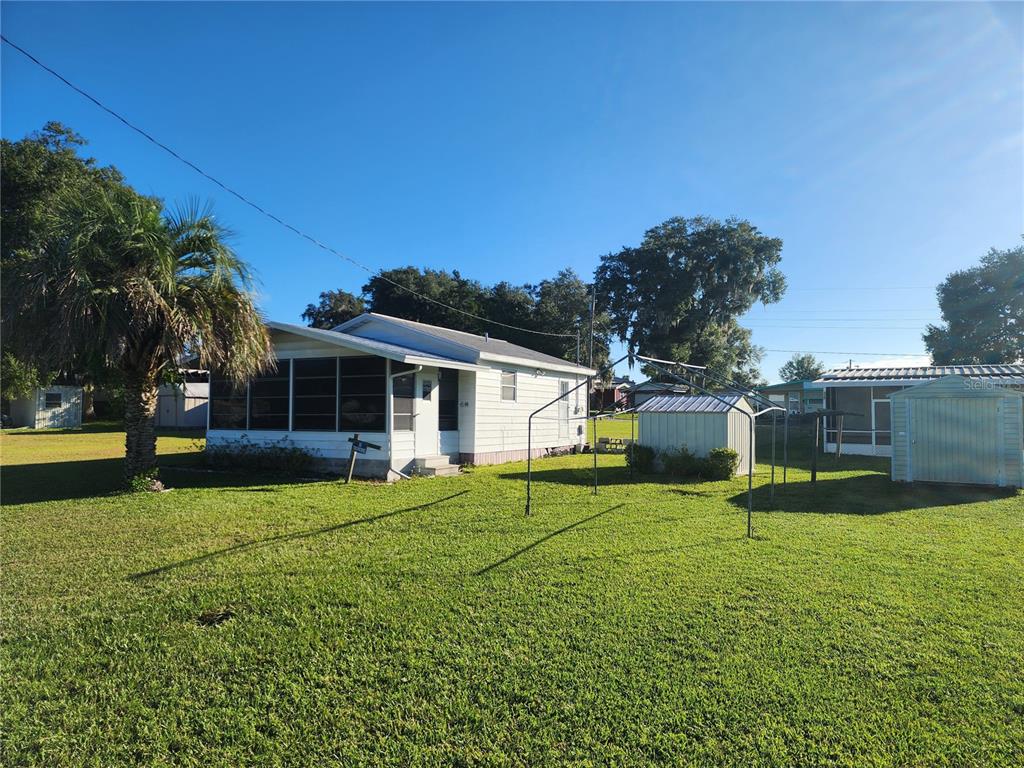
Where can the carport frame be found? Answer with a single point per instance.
(657, 364)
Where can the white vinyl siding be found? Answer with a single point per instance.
(502, 426)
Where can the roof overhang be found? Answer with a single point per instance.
(836, 383)
(579, 370)
(371, 347)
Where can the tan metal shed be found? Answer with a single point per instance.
(958, 430)
(699, 423)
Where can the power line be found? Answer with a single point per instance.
(257, 207)
(841, 327)
(866, 288)
(833, 352)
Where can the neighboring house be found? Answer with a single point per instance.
(698, 423)
(56, 406)
(797, 397)
(958, 430)
(183, 405)
(430, 397)
(863, 393)
(611, 395)
(644, 392)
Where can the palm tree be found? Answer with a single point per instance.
(120, 282)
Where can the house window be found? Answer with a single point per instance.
(403, 392)
(315, 395)
(508, 386)
(227, 403)
(52, 400)
(447, 400)
(268, 398)
(362, 394)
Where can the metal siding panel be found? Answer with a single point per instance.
(954, 440)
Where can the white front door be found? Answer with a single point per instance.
(426, 414)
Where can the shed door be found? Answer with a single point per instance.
(955, 440)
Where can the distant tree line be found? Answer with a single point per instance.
(560, 305)
(677, 295)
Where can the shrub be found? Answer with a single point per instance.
(720, 464)
(641, 458)
(282, 457)
(680, 463)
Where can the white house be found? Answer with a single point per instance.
(56, 406)
(430, 397)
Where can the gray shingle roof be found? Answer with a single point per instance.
(383, 348)
(489, 345)
(923, 372)
(689, 404)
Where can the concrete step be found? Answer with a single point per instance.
(445, 471)
(428, 462)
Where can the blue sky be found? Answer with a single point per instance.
(882, 143)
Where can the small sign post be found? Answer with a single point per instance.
(358, 446)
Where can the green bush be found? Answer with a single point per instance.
(641, 458)
(720, 464)
(282, 457)
(680, 463)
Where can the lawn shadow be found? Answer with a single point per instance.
(87, 428)
(584, 476)
(867, 494)
(542, 539)
(283, 537)
(86, 478)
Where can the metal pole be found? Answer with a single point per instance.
(593, 450)
(814, 453)
(352, 459)
(529, 422)
(529, 460)
(632, 442)
(785, 447)
(774, 419)
(577, 344)
(593, 302)
(750, 482)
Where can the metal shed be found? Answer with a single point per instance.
(958, 430)
(58, 406)
(698, 423)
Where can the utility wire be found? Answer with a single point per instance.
(824, 352)
(257, 207)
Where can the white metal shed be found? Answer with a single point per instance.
(58, 406)
(699, 423)
(958, 430)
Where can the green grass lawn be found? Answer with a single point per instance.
(241, 621)
(613, 426)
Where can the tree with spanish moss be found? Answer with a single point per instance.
(679, 293)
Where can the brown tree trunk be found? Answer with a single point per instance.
(88, 401)
(140, 399)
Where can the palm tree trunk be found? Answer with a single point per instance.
(140, 399)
